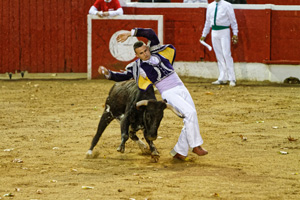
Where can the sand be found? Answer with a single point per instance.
(47, 126)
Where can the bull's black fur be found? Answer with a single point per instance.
(121, 104)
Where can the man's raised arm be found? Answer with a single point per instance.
(140, 32)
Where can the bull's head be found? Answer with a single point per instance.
(153, 115)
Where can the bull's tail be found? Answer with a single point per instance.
(105, 120)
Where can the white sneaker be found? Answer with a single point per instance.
(217, 82)
(232, 84)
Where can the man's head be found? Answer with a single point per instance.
(141, 50)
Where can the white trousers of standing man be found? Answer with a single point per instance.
(180, 98)
(222, 46)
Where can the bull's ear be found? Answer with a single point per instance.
(179, 114)
(141, 103)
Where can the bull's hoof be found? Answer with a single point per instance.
(155, 153)
(121, 149)
(143, 147)
(90, 155)
(155, 158)
(146, 151)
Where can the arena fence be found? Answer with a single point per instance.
(51, 37)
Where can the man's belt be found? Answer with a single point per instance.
(216, 27)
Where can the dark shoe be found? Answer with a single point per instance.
(180, 157)
(200, 151)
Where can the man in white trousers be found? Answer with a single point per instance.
(220, 17)
(155, 66)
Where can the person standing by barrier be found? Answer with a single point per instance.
(155, 66)
(105, 8)
(220, 16)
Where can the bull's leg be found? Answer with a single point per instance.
(143, 147)
(154, 152)
(105, 120)
(124, 134)
(153, 149)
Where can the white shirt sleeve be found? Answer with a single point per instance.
(133, 31)
(207, 25)
(93, 10)
(119, 11)
(232, 20)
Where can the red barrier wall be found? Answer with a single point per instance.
(275, 2)
(43, 36)
(51, 36)
(184, 33)
(285, 35)
(100, 42)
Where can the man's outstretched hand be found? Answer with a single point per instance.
(123, 36)
(103, 70)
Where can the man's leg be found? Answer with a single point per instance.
(226, 46)
(217, 45)
(190, 136)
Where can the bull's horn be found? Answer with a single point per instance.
(141, 103)
(179, 114)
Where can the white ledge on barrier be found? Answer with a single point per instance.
(204, 5)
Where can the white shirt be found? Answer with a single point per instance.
(225, 17)
(93, 11)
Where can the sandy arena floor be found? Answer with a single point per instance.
(47, 127)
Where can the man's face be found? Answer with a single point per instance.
(143, 53)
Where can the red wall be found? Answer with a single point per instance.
(264, 35)
(43, 36)
(100, 42)
(285, 35)
(51, 36)
(275, 2)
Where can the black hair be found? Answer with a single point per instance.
(138, 44)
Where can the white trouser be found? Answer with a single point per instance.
(180, 98)
(222, 43)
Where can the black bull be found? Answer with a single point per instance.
(136, 110)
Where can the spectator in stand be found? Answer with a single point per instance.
(194, 1)
(237, 1)
(105, 8)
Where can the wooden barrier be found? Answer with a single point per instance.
(51, 36)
